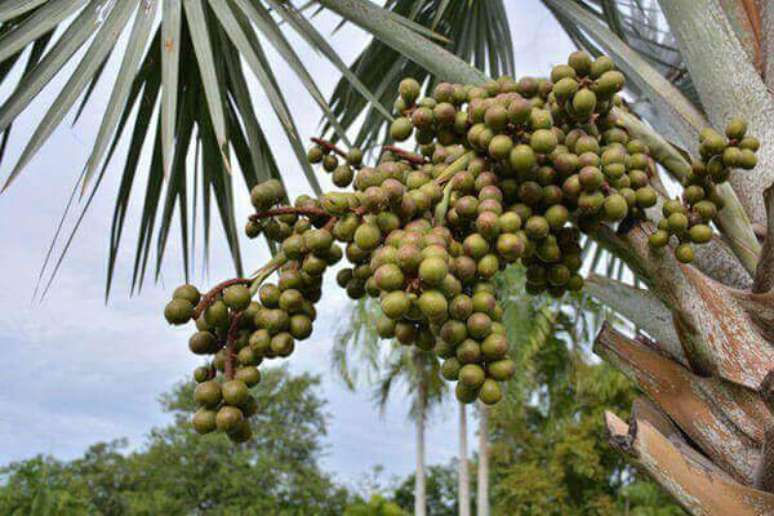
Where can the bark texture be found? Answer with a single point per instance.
(700, 488)
(420, 490)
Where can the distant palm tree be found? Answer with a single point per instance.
(420, 372)
(463, 473)
(417, 370)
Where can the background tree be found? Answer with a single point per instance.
(176, 472)
(547, 457)
(358, 339)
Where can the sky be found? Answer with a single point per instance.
(78, 371)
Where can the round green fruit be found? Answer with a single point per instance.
(472, 375)
(684, 253)
(208, 394)
(178, 311)
(203, 421)
(203, 343)
(501, 370)
(228, 418)
(450, 369)
(235, 392)
(187, 292)
(251, 376)
(490, 392)
(237, 297)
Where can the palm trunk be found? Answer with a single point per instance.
(420, 494)
(463, 480)
(483, 461)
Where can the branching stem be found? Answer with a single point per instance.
(406, 155)
(329, 146)
(212, 295)
(307, 212)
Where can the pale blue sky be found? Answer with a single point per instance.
(77, 371)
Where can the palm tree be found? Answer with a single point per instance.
(691, 63)
(482, 498)
(463, 473)
(688, 310)
(418, 370)
(197, 53)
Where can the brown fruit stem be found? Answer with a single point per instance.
(210, 296)
(329, 146)
(230, 351)
(406, 155)
(307, 212)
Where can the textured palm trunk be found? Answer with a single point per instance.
(704, 428)
(483, 461)
(463, 479)
(420, 490)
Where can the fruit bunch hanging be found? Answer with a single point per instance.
(509, 171)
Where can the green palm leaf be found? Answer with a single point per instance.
(478, 32)
(197, 48)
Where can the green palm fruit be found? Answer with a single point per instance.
(187, 292)
(615, 208)
(450, 369)
(501, 370)
(700, 234)
(251, 376)
(178, 311)
(401, 129)
(395, 304)
(409, 90)
(315, 154)
(465, 394)
(237, 297)
(469, 352)
(228, 418)
(543, 141)
(208, 394)
(736, 129)
(216, 315)
(583, 103)
(684, 253)
(659, 238)
(235, 392)
(203, 343)
(490, 392)
(203, 421)
(472, 375)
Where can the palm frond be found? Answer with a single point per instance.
(478, 33)
(196, 48)
(355, 355)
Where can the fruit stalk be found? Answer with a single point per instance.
(211, 296)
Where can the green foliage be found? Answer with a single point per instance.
(376, 506)
(549, 453)
(441, 490)
(178, 472)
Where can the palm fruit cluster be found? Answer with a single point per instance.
(239, 333)
(341, 173)
(511, 171)
(688, 219)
